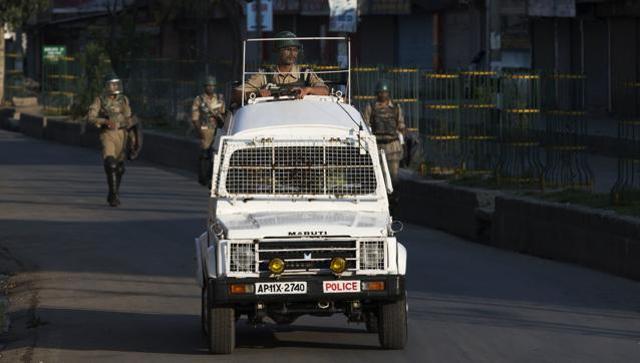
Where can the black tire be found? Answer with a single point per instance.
(371, 322)
(392, 324)
(222, 330)
(204, 308)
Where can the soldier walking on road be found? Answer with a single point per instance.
(120, 133)
(387, 123)
(207, 114)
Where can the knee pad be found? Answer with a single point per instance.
(110, 164)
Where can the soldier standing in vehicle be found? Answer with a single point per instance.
(387, 123)
(286, 73)
(207, 114)
(111, 113)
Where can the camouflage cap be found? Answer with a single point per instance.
(283, 43)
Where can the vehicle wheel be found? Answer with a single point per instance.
(222, 330)
(204, 308)
(371, 322)
(392, 324)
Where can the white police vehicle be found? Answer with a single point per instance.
(299, 223)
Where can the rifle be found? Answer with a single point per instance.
(212, 115)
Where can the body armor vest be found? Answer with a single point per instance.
(208, 108)
(384, 121)
(114, 109)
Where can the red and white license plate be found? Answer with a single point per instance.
(341, 286)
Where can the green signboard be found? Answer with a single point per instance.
(53, 52)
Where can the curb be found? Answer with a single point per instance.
(5, 322)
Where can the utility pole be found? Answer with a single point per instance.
(259, 28)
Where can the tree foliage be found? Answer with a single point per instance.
(17, 12)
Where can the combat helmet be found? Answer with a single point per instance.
(111, 79)
(283, 43)
(383, 86)
(209, 81)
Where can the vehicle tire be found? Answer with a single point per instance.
(222, 330)
(392, 324)
(371, 322)
(204, 309)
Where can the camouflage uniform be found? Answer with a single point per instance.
(206, 114)
(113, 141)
(386, 120)
(113, 107)
(305, 78)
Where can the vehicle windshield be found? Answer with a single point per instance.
(299, 170)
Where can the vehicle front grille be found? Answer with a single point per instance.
(306, 256)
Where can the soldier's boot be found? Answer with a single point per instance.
(119, 173)
(110, 168)
(203, 168)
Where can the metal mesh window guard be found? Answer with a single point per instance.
(299, 169)
(372, 255)
(242, 257)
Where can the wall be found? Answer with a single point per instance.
(462, 37)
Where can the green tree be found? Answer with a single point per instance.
(15, 13)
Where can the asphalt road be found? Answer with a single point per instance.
(103, 284)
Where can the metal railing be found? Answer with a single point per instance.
(626, 190)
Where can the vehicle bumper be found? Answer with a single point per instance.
(219, 290)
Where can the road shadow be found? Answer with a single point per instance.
(90, 330)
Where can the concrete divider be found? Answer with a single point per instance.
(62, 131)
(440, 205)
(6, 114)
(598, 239)
(32, 125)
(174, 151)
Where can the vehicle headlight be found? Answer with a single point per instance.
(276, 265)
(242, 257)
(338, 265)
(372, 255)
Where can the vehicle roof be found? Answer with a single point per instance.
(311, 111)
